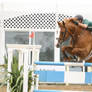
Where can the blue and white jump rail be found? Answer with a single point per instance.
(61, 72)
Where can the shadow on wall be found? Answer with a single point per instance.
(48, 55)
(46, 40)
(16, 37)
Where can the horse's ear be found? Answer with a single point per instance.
(59, 23)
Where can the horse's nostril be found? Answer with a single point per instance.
(58, 45)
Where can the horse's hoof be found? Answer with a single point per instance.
(73, 60)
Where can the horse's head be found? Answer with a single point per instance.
(64, 35)
(67, 29)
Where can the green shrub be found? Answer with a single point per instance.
(16, 77)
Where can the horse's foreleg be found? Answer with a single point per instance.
(80, 52)
(66, 49)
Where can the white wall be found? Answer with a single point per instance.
(71, 7)
(74, 7)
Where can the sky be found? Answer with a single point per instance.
(71, 7)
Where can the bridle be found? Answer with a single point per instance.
(64, 33)
(60, 42)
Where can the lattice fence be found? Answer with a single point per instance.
(35, 21)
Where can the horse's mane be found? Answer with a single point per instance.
(78, 29)
(71, 26)
(67, 21)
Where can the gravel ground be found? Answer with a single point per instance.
(3, 89)
(61, 87)
(69, 87)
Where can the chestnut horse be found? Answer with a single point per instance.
(80, 43)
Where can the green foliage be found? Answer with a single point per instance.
(16, 77)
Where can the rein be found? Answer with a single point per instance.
(65, 31)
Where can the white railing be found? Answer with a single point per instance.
(24, 54)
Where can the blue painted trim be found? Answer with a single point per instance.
(42, 75)
(51, 76)
(56, 63)
(48, 91)
(88, 77)
(87, 64)
(55, 76)
(49, 63)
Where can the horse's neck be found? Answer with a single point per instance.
(80, 34)
(79, 31)
(83, 32)
(76, 32)
(75, 36)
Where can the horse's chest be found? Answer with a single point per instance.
(79, 41)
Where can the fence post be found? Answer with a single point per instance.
(33, 59)
(25, 81)
(37, 81)
(67, 70)
(20, 58)
(10, 59)
(83, 66)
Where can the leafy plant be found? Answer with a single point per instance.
(16, 77)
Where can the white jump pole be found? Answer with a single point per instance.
(83, 66)
(67, 70)
(25, 83)
(10, 58)
(20, 58)
(37, 82)
(33, 59)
